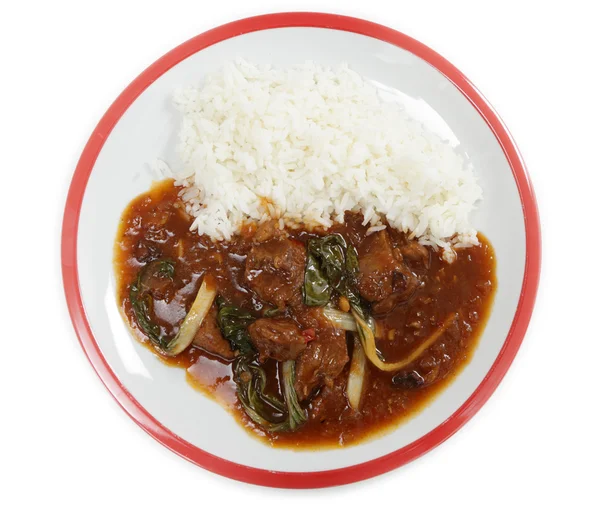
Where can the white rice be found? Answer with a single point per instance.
(316, 142)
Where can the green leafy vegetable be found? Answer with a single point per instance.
(350, 290)
(332, 264)
(352, 262)
(267, 411)
(316, 290)
(271, 313)
(296, 415)
(330, 252)
(233, 322)
(325, 269)
(165, 268)
(142, 302)
(142, 305)
(251, 381)
(156, 275)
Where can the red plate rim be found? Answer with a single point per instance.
(298, 479)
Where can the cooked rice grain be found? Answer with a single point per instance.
(308, 143)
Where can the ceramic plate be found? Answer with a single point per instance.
(141, 126)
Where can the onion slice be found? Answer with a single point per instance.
(367, 339)
(356, 376)
(194, 317)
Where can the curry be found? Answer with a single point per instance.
(311, 338)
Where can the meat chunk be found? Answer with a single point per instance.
(412, 250)
(405, 292)
(310, 317)
(321, 361)
(377, 265)
(329, 403)
(146, 251)
(384, 277)
(269, 230)
(209, 337)
(277, 338)
(275, 271)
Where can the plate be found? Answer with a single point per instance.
(141, 125)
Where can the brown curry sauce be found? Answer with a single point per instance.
(155, 224)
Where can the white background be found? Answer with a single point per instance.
(66, 444)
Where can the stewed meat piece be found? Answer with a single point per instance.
(275, 271)
(412, 250)
(406, 289)
(321, 361)
(384, 277)
(310, 317)
(377, 266)
(269, 230)
(277, 338)
(330, 402)
(146, 251)
(209, 337)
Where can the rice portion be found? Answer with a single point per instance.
(307, 144)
